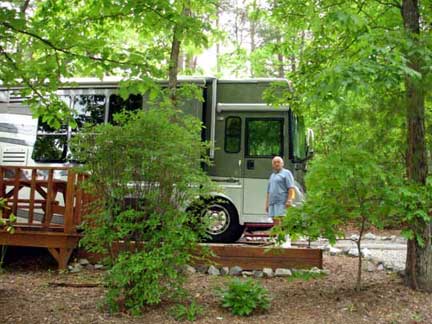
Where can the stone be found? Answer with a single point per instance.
(386, 238)
(201, 269)
(380, 267)
(76, 267)
(268, 272)
(83, 262)
(334, 251)
(99, 266)
(258, 273)
(235, 271)
(353, 252)
(315, 270)
(247, 273)
(346, 249)
(189, 269)
(393, 237)
(213, 271)
(370, 236)
(366, 253)
(354, 237)
(89, 266)
(282, 272)
(224, 271)
(370, 267)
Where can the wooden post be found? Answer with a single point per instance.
(2, 185)
(78, 200)
(16, 190)
(69, 225)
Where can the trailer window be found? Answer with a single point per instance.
(89, 109)
(264, 137)
(51, 143)
(50, 148)
(299, 138)
(117, 104)
(232, 135)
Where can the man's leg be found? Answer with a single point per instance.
(287, 242)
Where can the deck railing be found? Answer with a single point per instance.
(43, 198)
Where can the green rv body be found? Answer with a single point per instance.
(244, 133)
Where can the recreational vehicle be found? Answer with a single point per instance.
(244, 132)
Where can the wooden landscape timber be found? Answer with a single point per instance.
(38, 191)
(245, 256)
(258, 257)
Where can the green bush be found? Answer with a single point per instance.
(144, 171)
(244, 297)
(348, 186)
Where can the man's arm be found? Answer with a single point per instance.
(290, 197)
(291, 190)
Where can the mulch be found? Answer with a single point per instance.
(29, 294)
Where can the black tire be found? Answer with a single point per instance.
(220, 231)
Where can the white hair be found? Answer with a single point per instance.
(278, 158)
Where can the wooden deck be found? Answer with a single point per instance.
(50, 205)
(51, 193)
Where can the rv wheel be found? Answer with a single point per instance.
(223, 221)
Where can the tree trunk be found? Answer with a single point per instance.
(252, 24)
(419, 259)
(280, 58)
(174, 64)
(174, 59)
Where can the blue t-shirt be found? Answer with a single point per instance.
(278, 186)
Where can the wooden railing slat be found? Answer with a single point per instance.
(69, 225)
(32, 196)
(49, 198)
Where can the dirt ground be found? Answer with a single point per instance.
(26, 296)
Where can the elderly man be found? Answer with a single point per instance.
(280, 193)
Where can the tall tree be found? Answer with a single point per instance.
(362, 81)
(419, 256)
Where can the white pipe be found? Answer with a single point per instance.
(248, 107)
(213, 118)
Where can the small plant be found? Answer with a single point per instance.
(189, 312)
(244, 297)
(305, 275)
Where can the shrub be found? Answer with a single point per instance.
(144, 171)
(189, 312)
(346, 187)
(244, 297)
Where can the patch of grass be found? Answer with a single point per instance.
(305, 275)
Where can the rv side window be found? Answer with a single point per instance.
(299, 138)
(117, 104)
(264, 137)
(51, 143)
(232, 134)
(89, 109)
